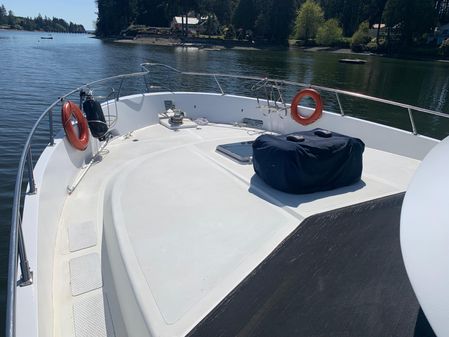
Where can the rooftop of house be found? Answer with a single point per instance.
(190, 21)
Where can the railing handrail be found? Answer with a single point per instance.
(16, 235)
(299, 84)
(15, 231)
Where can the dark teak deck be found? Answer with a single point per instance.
(340, 273)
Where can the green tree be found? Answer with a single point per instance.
(262, 24)
(410, 19)
(244, 14)
(281, 20)
(349, 12)
(152, 13)
(223, 10)
(442, 7)
(377, 9)
(361, 37)
(29, 24)
(109, 20)
(2, 15)
(444, 48)
(39, 21)
(330, 33)
(212, 25)
(309, 19)
(229, 32)
(11, 18)
(269, 20)
(272, 19)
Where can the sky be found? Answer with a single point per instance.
(77, 11)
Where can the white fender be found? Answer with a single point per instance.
(425, 236)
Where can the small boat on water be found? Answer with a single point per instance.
(47, 37)
(352, 61)
(172, 212)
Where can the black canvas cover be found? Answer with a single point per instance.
(95, 118)
(309, 161)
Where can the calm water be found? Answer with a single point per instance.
(34, 72)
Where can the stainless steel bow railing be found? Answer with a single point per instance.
(17, 250)
(277, 83)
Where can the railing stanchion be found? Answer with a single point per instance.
(31, 181)
(339, 104)
(50, 120)
(119, 90)
(410, 115)
(146, 83)
(10, 323)
(218, 83)
(27, 275)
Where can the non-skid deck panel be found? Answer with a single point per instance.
(339, 273)
(82, 235)
(85, 273)
(91, 316)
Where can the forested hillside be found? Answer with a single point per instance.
(9, 20)
(274, 20)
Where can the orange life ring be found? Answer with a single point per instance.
(306, 120)
(79, 141)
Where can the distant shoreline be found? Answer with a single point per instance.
(216, 45)
(40, 31)
(346, 51)
(207, 44)
(212, 45)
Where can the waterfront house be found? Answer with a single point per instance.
(177, 22)
(378, 26)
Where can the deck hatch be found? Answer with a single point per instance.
(241, 151)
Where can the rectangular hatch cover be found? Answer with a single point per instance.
(242, 152)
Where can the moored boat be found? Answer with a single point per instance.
(160, 215)
(352, 61)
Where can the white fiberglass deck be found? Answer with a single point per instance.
(178, 226)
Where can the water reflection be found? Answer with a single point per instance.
(439, 101)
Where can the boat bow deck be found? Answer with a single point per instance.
(180, 225)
